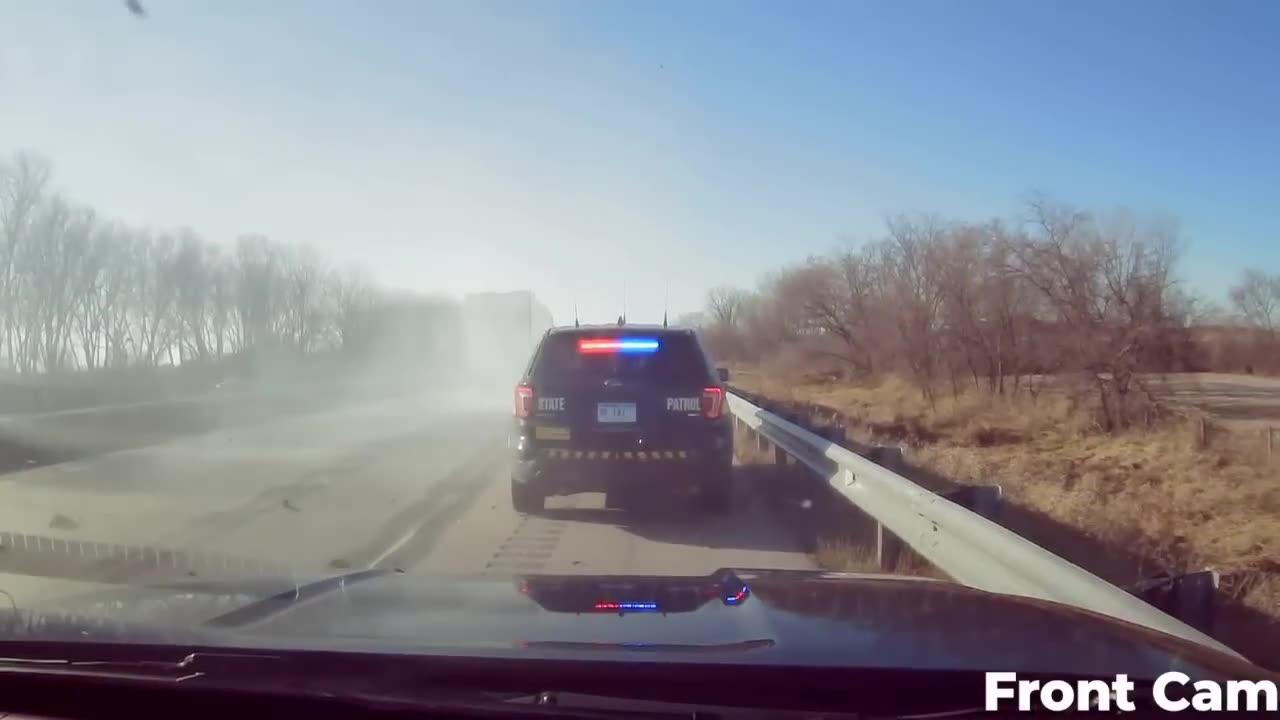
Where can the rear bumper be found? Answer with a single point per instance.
(559, 475)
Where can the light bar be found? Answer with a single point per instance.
(626, 606)
(601, 346)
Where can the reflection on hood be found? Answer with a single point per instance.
(812, 619)
(630, 594)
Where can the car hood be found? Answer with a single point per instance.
(732, 616)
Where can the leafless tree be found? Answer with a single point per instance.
(80, 292)
(1069, 292)
(1257, 298)
(724, 306)
(911, 281)
(23, 180)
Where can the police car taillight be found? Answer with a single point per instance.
(712, 403)
(524, 401)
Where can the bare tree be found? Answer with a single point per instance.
(724, 306)
(911, 280)
(81, 293)
(305, 318)
(1108, 285)
(1257, 298)
(23, 179)
(1070, 293)
(837, 294)
(353, 298)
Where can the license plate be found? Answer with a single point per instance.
(616, 412)
(549, 432)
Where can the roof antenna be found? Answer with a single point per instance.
(622, 319)
(666, 286)
(575, 313)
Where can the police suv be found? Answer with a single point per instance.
(628, 410)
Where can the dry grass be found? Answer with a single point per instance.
(1153, 493)
(843, 555)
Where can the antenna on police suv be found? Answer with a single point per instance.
(666, 286)
(575, 313)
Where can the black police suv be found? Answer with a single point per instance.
(629, 410)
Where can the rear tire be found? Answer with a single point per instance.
(525, 499)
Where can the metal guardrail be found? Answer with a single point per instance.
(968, 547)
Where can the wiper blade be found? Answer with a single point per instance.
(234, 670)
(268, 607)
(743, 646)
(190, 667)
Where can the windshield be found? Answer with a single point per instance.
(983, 294)
(674, 359)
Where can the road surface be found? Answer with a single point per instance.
(415, 484)
(1244, 401)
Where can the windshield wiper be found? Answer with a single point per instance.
(190, 667)
(742, 646)
(268, 607)
(266, 671)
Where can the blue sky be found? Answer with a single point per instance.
(577, 147)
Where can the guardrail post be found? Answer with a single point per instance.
(762, 443)
(985, 500)
(1190, 598)
(836, 434)
(888, 548)
(887, 456)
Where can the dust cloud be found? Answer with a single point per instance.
(403, 360)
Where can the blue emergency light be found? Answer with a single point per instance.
(600, 346)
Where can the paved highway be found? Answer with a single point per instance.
(418, 484)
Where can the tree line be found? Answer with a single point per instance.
(999, 306)
(79, 291)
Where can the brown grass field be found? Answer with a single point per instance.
(1174, 496)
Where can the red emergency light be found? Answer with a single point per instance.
(607, 346)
